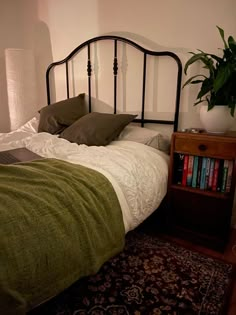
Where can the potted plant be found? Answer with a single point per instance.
(218, 87)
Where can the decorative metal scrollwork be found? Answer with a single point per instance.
(115, 66)
(89, 68)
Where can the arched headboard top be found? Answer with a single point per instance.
(116, 40)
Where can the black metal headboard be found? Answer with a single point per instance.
(145, 53)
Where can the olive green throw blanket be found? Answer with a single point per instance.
(59, 222)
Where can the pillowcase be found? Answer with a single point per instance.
(150, 137)
(97, 128)
(56, 117)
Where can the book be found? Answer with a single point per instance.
(210, 179)
(215, 174)
(220, 175)
(190, 170)
(195, 170)
(199, 171)
(224, 176)
(178, 170)
(185, 170)
(203, 173)
(208, 163)
(229, 176)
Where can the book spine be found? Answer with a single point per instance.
(195, 169)
(215, 175)
(210, 180)
(185, 170)
(179, 164)
(220, 175)
(208, 163)
(203, 173)
(225, 173)
(190, 170)
(199, 170)
(229, 176)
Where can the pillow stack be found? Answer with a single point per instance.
(70, 119)
(56, 117)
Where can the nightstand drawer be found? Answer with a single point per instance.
(205, 147)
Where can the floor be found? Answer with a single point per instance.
(229, 255)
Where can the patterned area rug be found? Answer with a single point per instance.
(151, 276)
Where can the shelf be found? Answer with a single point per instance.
(213, 194)
(211, 241)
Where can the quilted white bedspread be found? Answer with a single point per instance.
(137, 172)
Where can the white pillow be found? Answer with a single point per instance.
(152, 138)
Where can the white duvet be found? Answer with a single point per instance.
(137, 172)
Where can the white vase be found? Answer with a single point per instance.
(216, 120)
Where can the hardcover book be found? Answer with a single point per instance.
(199, 170)
(220, 175)
(195, 171)
(229, 176)
(190, 170)
(185, 170)
(215, 174)
(224, 176)
(210, 179)
(203, 173)
(208, 163)
(178, 170)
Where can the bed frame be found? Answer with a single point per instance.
(116, 40)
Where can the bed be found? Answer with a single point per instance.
(102, 174)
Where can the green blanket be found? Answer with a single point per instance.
(59, 222)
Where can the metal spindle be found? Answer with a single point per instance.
(89, 72)
(67, 81)
(115, 73)
(144, 87)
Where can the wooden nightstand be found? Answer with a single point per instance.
(200, 198)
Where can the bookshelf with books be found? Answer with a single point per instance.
(205, 173)
(201, 187)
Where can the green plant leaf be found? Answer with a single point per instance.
(222, 35)
(193, 59)
(196, 81)
(232, 107)
(205, 88)
(222, 76)
(209, 64)
(217, 58)
(210, 106)
(189, 81)
(198, 102)
(204, 58)
(232, 44)
(209, 102)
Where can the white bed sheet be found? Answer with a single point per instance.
(137, 172)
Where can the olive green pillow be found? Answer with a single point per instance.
(56, 117)
(97, 128)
